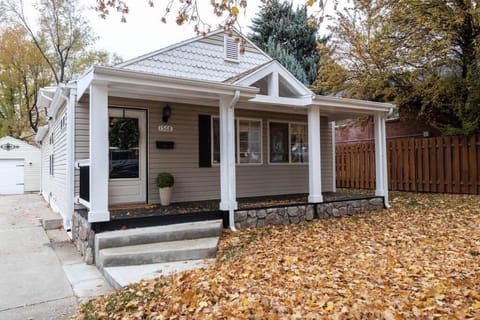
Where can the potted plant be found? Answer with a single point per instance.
(165, 183)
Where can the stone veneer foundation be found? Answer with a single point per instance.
(249, 218)
(83, 234)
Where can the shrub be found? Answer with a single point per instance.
(165, 180)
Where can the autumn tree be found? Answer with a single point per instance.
(227, 11)
(23, 72)
(289, 35)
(422, 55)
(64, 39)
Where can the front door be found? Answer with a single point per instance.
(127, 156)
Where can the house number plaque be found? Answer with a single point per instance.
(165, 128)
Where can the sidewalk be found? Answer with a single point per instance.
(42, 276)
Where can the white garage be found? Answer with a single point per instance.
(19, 166)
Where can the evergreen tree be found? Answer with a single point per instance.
(287, 35)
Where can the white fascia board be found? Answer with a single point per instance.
(84, 81)
(120, 76)
(275, 66)
(345, 104)
(291, 102)
(41, 133)
(294, 82)
(45, 96)
(59, 99)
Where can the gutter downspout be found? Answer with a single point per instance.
(231, 209)
(70, 170)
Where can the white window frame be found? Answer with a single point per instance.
(225, 57)
(237, 120)
(237, 141)
(289, 143)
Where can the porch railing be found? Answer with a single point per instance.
(84, 184)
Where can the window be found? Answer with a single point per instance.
(298, 143)
(288, 142)
(248, 139)
(278, 142)
(124, 153)
(51, 160)
(63, 122)
(50, 155)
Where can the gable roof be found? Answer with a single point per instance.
(199, 58)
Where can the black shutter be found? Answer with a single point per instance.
(204, 141)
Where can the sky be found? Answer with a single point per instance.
(144, 32)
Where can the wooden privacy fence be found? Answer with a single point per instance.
(438, 164)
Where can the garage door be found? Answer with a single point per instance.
(11, 176)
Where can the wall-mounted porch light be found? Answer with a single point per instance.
(166, 113)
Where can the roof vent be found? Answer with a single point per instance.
(231, 49)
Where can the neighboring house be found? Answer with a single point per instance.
(19, 166)
(353, 131)
(226, 125)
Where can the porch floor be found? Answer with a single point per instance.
(150, 210)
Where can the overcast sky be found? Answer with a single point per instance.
(144, 32)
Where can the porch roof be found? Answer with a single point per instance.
(141, 85)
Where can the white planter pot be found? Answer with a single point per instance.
(165, 196)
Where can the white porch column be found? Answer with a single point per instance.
(314, 158)
(99, 168)
(381, 181)
(228, 193)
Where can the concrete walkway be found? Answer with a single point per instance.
(41, 274)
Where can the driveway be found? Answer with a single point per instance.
(41, 275)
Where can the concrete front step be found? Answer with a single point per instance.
(159, 252)
(173, 232)
(122, 276)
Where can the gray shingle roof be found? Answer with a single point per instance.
(201, 58)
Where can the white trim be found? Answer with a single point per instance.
(381, 179)
(70, 170)
(83, 202)
(41, 133)
(314, 156)
(289, 102)
(346, 104)
(277, 70)
(334, 159)
(82, 163)
(98, 150)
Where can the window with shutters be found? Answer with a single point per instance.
(231, 49)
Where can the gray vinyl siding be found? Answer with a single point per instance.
(193, 183)
(54, 186)
(81, 138)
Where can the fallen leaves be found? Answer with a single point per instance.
(417, 260)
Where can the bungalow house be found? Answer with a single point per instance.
(227, 125)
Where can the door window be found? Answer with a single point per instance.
(124, 136)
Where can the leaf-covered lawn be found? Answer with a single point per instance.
(420, 259)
